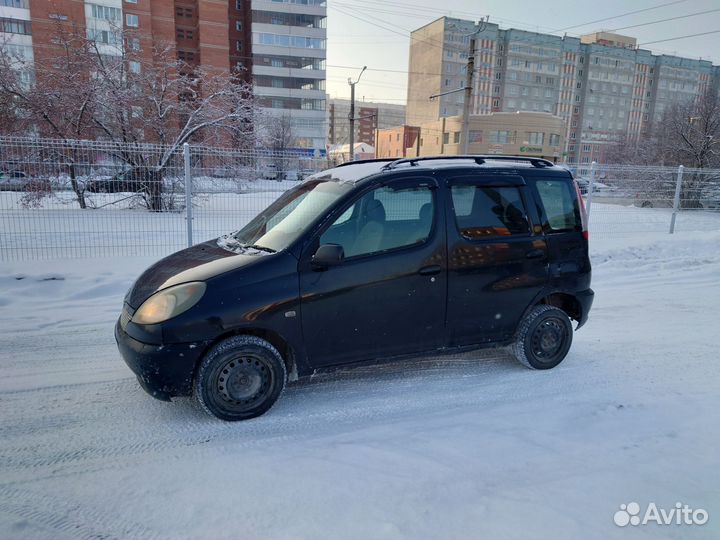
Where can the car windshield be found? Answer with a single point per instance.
(285, 220)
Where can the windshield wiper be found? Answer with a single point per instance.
(259, 248)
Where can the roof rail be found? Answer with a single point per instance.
(375, 160)
(479, 159)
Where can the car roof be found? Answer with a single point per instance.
(355, 171)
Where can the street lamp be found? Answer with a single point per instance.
(351, 116)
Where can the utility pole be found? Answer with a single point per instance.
(351, 116)
(468, 98)
(467, 101)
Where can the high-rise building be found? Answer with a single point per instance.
(279, 45)
(369, 116)
(605, 89)
(288, 53)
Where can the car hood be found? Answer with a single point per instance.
(196, 263)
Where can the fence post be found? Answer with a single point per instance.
(188, 194)
(676, 201)
(591, 184)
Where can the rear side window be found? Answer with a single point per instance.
(561, 208)
(484, 211)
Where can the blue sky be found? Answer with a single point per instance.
(381, 40)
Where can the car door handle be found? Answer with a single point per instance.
(430, 270)
(535, 254)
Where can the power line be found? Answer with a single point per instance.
(404, 33)
(621, 15)
(678, 37)
(665, 20)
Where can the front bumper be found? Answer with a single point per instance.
(585, 298)
(163, 371)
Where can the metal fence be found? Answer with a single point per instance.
(72, 199)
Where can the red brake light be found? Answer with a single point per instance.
(583, 212)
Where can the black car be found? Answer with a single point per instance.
(369, 260)
(135, 180)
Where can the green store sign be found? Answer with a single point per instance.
(531, 149)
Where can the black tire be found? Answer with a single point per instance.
(240, 378)
(543, 338)
(647, 204)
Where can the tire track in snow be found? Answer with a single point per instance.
(198, 430)
(68, 520)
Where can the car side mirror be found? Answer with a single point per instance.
(328, 255)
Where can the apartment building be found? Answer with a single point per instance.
(532, 134)
(279, 45)
(397, 142)
(288, 54)
(604, 88)
(369, 117)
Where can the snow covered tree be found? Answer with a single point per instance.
(51, 97)
(131, 97)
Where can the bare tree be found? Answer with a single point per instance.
(687, 134)
(279, 137)
(133, 98)
(53, 96)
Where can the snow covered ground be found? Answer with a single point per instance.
(109, 228)
(470, 446)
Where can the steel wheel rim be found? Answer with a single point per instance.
(548, 339)
(243, 382)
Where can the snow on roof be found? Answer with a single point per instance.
(350, 173)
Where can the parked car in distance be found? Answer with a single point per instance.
(17, 180)
(135, 180)
(270, 171)
(370, 260)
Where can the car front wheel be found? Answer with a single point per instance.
(543, 338)
(240, 378)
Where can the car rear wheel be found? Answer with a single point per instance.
(240, 378)
(544, 338)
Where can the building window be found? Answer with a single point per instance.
(184, 12)
(456, 137)
(499, 137)
(238, 4)
(131, 1)
(238, 25)
(133, 21)
(134, 66)
(15, 26)
(554, 139)
(238, 46)
(184, 34)
(586, 148)
(446, 138)
(536, 138)
(106, 12)
(496, 102)
(14, 3)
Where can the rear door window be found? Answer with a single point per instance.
(486, 211)
(559, 200)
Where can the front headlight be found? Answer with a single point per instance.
(169, 303)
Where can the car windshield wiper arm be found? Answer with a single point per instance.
(259, 248)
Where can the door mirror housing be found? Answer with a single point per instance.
(328, 255)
